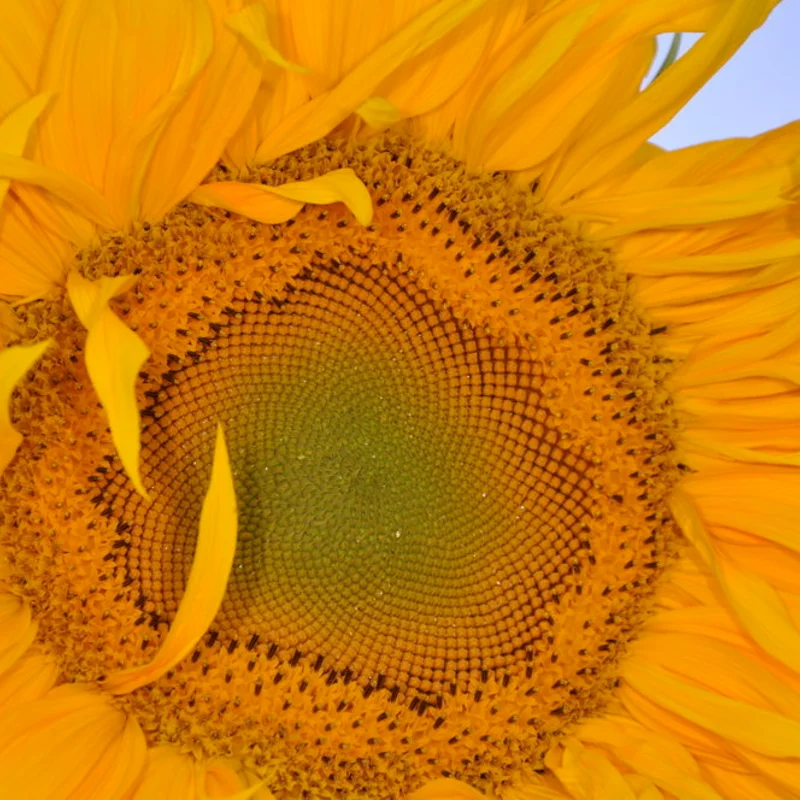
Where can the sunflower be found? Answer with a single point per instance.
(381, 416)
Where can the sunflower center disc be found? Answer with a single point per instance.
(451, 450)
(405, 509)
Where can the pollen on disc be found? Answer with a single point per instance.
(404, 504)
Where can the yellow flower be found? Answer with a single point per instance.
(382, 416)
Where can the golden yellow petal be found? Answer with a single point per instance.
(28, 679)
(200, 125)
(378, 113)
(17, 629)
(587, 774)
(758, 729)
(14, 363)
(73, 744)
(216, 544)
(114, 356)
(248, 199)
(272, 204)
(663, 760)
(336, 186)
(449, 789)
(15, 130)
(80, 196)
(755, 602)
(25, 31)
(252, 23)
(318, 117)
(606, 145)
(119, 72)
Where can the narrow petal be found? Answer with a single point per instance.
(84, 199)
(315, 119)
(17, 630)
(14, 363)
(72, 744)
(607, 144)
(120, 71)
(378, 113)
(252, 24)
(755, 602)
(248, 199)
(587, 774)
(758, 729)
(177, 776)
(216, 544)
(22, 45)
(449, 789)
(662, 760)
(337, 186)
(114, 356)
(199, 127)
(273, 204)
(15, 129)
(31, 677)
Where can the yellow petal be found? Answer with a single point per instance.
(15, 128)
(248, 199)
(336, 186)
(315, 119)
(14, 363)
(742, 196)
(70, 744)
(661, 759)
(550, 45)
(120, 72)
(174, 775)
(757, 605)
(610, 141)
(758, 729)
(252, 24)
(273, 204)
(587, 774)
(216, 544)
(199, 127)
(114, 356)
(449, 789)
(30, 678)
(84, 199)
(25, 33)
(378, 113)
(17, 630)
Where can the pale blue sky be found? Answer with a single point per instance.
(758, 89)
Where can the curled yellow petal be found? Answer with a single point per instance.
(114, 356)
(251, 200)
(216, 544)
(70, 743)
(15, 129)
(252, 24)
(337, 186)
(274, 204)
(14, 363)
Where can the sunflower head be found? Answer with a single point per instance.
(383, 417)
